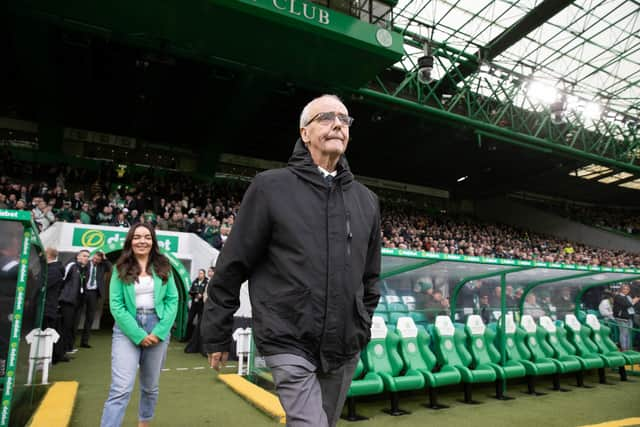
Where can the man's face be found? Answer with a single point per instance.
(326, 137)
(83, 258)
(97, 258)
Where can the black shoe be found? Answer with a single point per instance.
(84, 345)
(62, 359)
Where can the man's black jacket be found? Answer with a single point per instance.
(311, 253)
(75, 280)
(55, 276)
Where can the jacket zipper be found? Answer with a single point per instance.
(349, 234)
(326, 289)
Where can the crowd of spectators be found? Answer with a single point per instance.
(463, 235)
(176, 202)
(169, 201)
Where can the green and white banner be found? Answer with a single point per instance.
(16, 326)
(94, 238)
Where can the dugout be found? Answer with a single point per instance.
(489, 287)
(23, 269)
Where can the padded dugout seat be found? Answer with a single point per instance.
(381, 357)
(485, 355)
(451, 352)
(516, 351)
(565, 352)
(363, 383)
(600, 336)
(415, 351)
(542, 354)
(632, 357)
(581, 336)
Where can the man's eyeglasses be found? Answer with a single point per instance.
(330, 116)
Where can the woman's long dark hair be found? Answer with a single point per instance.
(127, 264)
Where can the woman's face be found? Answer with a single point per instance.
(141, 242)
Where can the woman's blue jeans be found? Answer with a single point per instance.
(126, 357)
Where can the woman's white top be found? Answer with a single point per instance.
(144, 293)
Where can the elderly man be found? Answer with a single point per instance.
(308, 239)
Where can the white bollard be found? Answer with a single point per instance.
(243, 346)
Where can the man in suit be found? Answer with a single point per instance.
(94, 289)
(75, 279)
(55, 281)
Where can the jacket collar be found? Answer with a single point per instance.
(301, 164)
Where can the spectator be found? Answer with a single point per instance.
(106, 216)
(532, 308)
(605, 307)
(85, 214)
(121, 220)
(623, 312)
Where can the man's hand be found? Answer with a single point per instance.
(217, 360)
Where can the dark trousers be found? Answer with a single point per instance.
(195, 310)
(89, 305)
(58, 347)
(70, 315)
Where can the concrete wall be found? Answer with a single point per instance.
(511, 212)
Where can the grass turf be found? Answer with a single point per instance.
(194, 397)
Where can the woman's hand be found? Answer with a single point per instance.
(149, 340)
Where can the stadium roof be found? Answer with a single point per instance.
(589, 48)
(575, 63)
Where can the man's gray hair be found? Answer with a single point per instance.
(304, 116)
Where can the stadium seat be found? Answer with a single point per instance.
(578, 336)
(486, 356)
(415, 351)
(563, 350)
(362, 384)
(542, 353)
(381, 307)
(383, 315)
(382, 358)
(409, 301)
(516, 351)
(419, 318)
(451, 352)
(600, 335)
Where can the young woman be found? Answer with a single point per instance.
(144, 303)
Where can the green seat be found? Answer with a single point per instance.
(451, 351)
(542, 354)
(600, 335)
(382, 358)
(362, 384)
(394, 316)
(577, 336)
(486, 356)
(415, 351)
(381, 307)
(565, 351)
(419, 318)
(583, 333)
(516, 351)
(384, 315)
